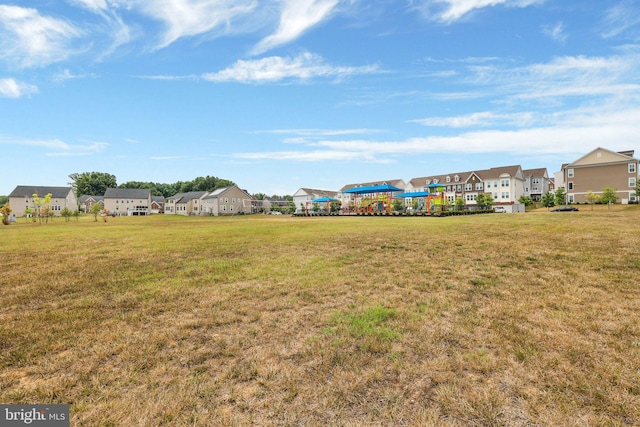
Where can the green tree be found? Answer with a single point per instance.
(397, 205)
(592, 198)
(66, 213)
(95, 211)
(526, 200)
(41, 206)
(484, 200)
(560, 196)
(6, 210)
(609, 196)
(548, 200)
(4, 200)
(459, 203)
(76, 214)
(92, 183)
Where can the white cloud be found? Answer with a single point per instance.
(556, 32)
(621, 18)
(186, 18)
(559, 135)
(11, 88)
(32, 40)
(79, 150)
(481, 119)
(448, 11)
(57, 147)
(275, 68)
(297, 17)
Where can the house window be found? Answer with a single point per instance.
(632, 168)
(457, 178)
(504, 195)
(478, 186)
(488, 184)
(632, 182)
(495, 184)
(448, 179)
(571, 199)
(467, 187)
(427, 182)
(571, 186)
(569, 173)
(459, 188)
(435, 181)
(504, 182)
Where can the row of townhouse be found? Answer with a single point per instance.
(223, 201)
(134, 202)
(507, 184)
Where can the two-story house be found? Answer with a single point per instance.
(187, 204)
(228, 201)
(21, 199)
(127, 201)
(598, 169)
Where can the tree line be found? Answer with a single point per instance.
(97, 183)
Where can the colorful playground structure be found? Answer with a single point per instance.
(378, 200)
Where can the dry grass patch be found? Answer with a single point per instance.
(486, 320)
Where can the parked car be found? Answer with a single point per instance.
(499, 209)
(565, 209)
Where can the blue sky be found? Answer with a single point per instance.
(281, 94)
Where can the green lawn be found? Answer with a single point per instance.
(524, 319)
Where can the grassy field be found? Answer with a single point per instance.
(517, 320)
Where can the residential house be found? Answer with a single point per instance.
(21, 199)
(86, 202)
(228, 201)
(157, 204)
(536, 183)
(347, 198)
(455, 185)
(189, 203)
(127, 201)
(505, 184)
(304, 195)
(598, 169)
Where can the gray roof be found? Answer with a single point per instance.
(84, 198)
(157, 199)
(29, 190)
(127, 193)
(185, 197)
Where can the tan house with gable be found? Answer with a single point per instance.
(187, 204)
(21, 198)
(598, 169)
(127, 201)
(228, 201)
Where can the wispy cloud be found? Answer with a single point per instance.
(56, 147)
(449, 11)
(275, 68)
(11, 88)
(29, 39)
(297, 16)
(187, 18)
(556, 32)
(567, 136)
(64, 75)
(481, 119)
(621, 18)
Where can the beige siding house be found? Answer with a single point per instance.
(127, 201)
(21, 199)
(598, 169)
(228, 201)
(187, 204)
